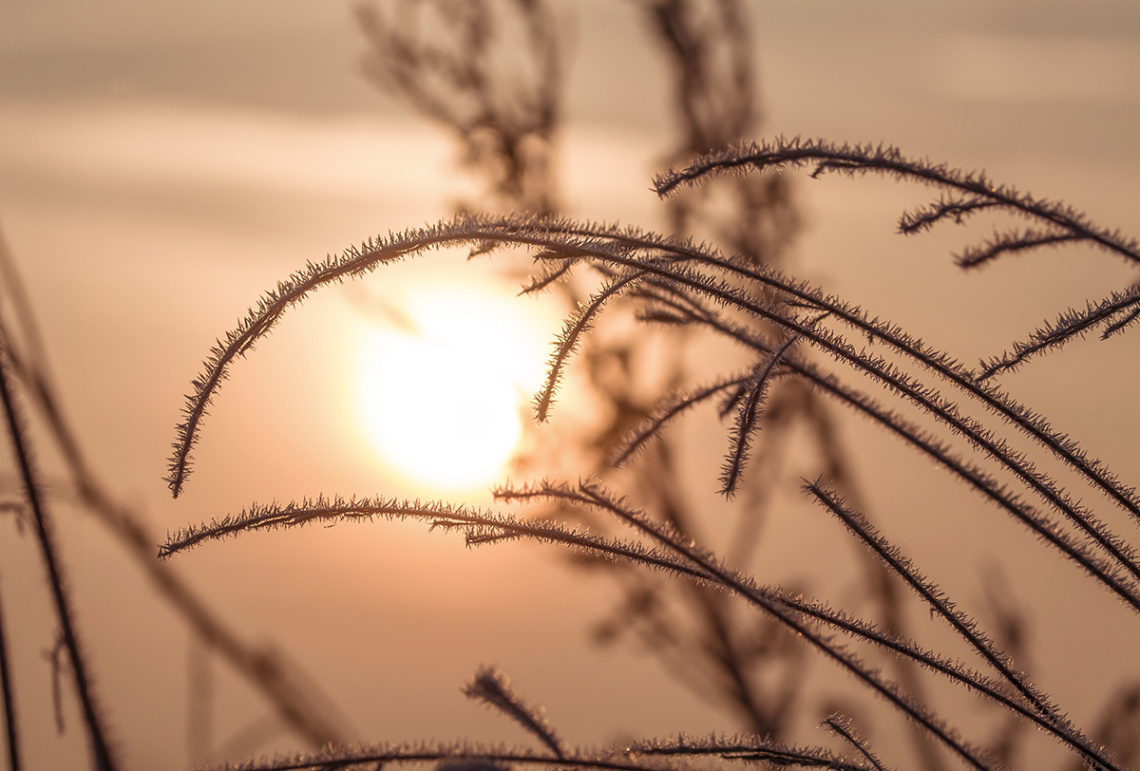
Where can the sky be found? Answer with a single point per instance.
(163, 164)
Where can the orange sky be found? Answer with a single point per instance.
(160, 167)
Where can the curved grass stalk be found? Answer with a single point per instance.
(479, 528)
(670, 555)
(747, 418)
(492, 688)
(999, 403)
(669, 410)
(352, 263)
(571, 336)
(531, 232)
(826, 157)
(639, 756)
(1114, 312)
(996, 401)
(906, 431)
(796, 153)
(842, 727)
(680, 280)
(1012, 242)
(926, 399)
(675, 554)
(1036, 707)
(966, 627)
(783, 612)
(746, 748)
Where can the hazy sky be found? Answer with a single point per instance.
(301, 55)
(164, 163)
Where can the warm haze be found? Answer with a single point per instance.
(161, 166)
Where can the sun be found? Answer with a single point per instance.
(444, 383)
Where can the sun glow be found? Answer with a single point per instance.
(444, 383)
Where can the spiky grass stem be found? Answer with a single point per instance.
(704, 562)
(924, 398)
(940, 363)
(690, 554)
(842, 727)
(491, 687)
(101, 751)
(889, 555)
(640, 756)
(827, 157)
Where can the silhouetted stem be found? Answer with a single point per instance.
(926, 400)
(843, 728)
(296, 702)
(1050, 720)
(99, 748)
(889, 555)
(492, 687)
(782, 610)
(622, 760)
(995, 400)
(828, 157)
(9, 703)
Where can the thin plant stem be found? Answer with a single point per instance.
(295, 700)
(492, 687)
(10, 721)
(622, 759)
(489, 528)
(827, 157)
(940, 363)
(703, 561)
(842, 726)
(783, 613)
(889, 555)
(903, 385)
(480, 230)
(101, 752)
